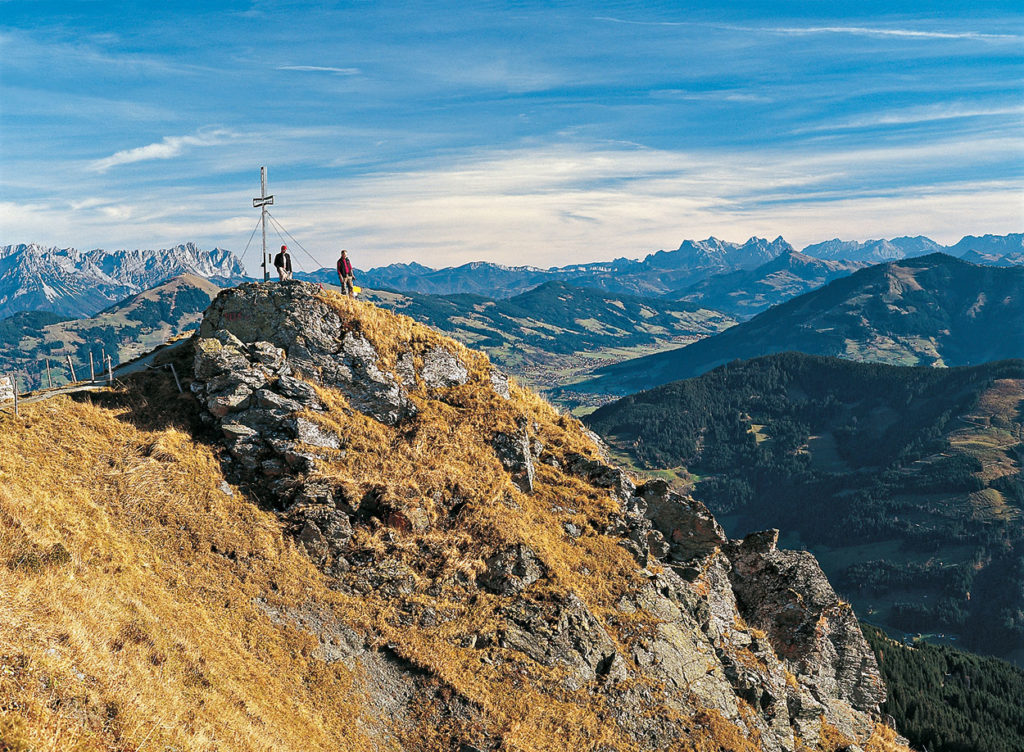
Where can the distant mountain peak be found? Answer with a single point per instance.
(80, 283)
(873, 251)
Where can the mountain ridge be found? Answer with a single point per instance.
(748, 292)
(80, 283)
(932, 309)
(689, 264)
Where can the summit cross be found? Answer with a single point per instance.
(262, 202)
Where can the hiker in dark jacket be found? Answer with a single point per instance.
(283, 264)
(346, 278)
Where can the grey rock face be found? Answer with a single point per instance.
(632, 525)
(322, 530)
(511, 570)
(310, 433)
(310, 338)
(248, 389)
(442, 369)
(786, 594)
(514, 452)
(500, 384)
(602, 474)
(571, 635)
(405, 369)
(392, 691)
(687, 525)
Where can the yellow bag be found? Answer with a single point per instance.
(356, 290)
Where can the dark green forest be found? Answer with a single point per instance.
(946, 700)
(853, 454)
(25, 324)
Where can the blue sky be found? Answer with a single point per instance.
(519, 132)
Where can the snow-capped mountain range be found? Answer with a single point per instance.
(77, 283)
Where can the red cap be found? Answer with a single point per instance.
(284, 248)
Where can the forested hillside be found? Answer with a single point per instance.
(947, 700)
(906, 482)
(124, 331)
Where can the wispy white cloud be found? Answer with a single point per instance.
(870, 31)
(526, 205)
(321, 69)
(564, 203)
(168, 148)
(719, 95)
(911, 116)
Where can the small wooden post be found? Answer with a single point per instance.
(14, 383)
(176, 381)
(49, 378)
(71, 365)
(110, 370)
(92, 369)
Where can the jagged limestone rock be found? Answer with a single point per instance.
(442, 369)
(405, 369)
(688, 526)
(511, 570)
(310, 433)
(513, 451)
(813, 632)
(323, 531)
(311, 340)
(500, 384)
(567, 633)
(603, 475)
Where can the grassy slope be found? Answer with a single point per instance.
(129, 617)
(129, 577)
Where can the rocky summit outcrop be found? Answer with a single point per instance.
(489, 551)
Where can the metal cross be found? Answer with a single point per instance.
(263, 201)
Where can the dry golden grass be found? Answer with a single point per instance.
(884, 739)
(145, 635)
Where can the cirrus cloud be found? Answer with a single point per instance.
(167, 148)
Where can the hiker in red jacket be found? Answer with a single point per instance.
(345, 276)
